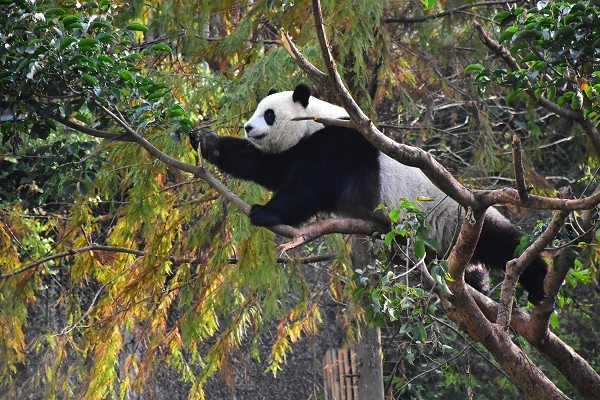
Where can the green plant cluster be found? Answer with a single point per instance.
(60, 60)
(557, 47)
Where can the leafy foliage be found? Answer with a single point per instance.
(557, 47)
(55, 63)
(157, 271)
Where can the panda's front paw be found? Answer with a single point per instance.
(261, 216)
(207, 141)
(536, 293)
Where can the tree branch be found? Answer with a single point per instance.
(575, 368)
(413, 20)
(463, 250)
(316, 74)
(515, 267)
(518, 167)
(71, 252)
(123, 137)
(317, 229)
(140, 253)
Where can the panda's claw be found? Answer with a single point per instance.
(207, 141)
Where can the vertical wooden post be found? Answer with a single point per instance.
(368, 349)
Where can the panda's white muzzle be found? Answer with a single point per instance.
(252, 133)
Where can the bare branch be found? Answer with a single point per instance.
(574, 367)
(561, 264)
(511, 196)
(463, 250)
(316, 74)
(123, 137)
(71, 253)
(344, 123)
(317, 229)
(518, 166)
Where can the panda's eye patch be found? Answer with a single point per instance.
(269, 117)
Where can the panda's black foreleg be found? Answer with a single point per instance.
(496, 247)
(292, 205)
(241, 159)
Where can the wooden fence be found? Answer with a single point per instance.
(340, 374)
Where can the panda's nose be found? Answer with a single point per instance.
(248, 128)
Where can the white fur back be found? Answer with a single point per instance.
(401, 181)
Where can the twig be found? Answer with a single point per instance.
(71, 253)
(442, 14)
(316, 74)
(518, 166)
(140, 253)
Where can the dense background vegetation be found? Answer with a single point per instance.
(122, 273)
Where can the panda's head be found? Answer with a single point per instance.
(271, 128)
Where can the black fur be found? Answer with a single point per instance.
(337, 170)
(334, 170)
(301, 94)
(496, 247)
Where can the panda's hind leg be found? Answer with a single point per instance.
(496, 247)
(477, 276)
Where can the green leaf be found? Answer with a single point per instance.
(154, 96)
(432, 244)
(512, 95)
(428, 4)
(419, 248)
(66, 41)
(126, 76)
(474, 67)
(508, 20)
(526, 34)
(100, 23)
(89, 80)
(394, 215)
(508, 33)
(70, 19)
(75, 25)
(388, 238)
(161, 47)
(88, 42)
(55, 12)
(135, 26)
(419, 333)
(553, 320)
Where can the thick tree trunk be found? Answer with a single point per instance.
(368, 349)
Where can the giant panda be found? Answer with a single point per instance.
(312, 168)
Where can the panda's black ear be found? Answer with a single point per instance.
(301, 94)
(272, 91)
